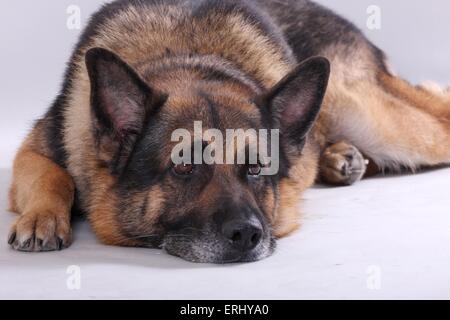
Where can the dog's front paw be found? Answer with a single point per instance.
(342, 164)
(41, 231)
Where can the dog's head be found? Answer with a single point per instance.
(216, 212)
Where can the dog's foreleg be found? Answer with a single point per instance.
(43, 194)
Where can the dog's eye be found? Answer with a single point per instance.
(254, 170)
(183, 169)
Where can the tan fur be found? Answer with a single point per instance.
(12, 197)
(102, 211)
(301, 176)
(429, 98)
(43, 193)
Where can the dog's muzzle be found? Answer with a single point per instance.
(240, 236)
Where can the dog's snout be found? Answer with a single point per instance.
(243, 235)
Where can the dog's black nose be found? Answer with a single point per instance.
(243, 235)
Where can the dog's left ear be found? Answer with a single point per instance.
(296, 100)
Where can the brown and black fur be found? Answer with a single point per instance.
(231, 64)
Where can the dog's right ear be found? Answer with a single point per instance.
(121, 102)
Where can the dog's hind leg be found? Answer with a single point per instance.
(342, 164)
(43, 193)
(389, 121)
(429, 97)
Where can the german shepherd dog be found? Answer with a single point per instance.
(144, 68)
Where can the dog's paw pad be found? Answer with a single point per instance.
(342, 164)
(40, 232)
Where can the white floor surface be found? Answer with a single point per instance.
(384, 238)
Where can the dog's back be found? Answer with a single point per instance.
(265, 39)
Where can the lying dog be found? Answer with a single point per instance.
(145, 68)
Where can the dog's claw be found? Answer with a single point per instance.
(35, 232)
(26, 246)
(12, 238)
(60, 245)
